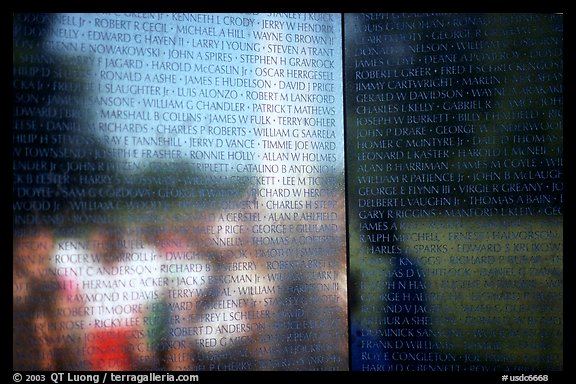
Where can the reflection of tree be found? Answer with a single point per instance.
(56, 159)
(63, 173)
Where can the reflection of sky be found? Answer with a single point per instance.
(172, 87)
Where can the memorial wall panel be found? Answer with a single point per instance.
(455, 191)
(179, 192)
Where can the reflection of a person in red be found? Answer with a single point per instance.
(107, 344)
(116, 334)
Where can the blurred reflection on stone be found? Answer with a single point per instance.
(111, 276)
(35, 291)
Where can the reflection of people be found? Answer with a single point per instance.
(404, 328)
(186, 275)
(213, 310)
(116, 279)
(408, 324)
(34, 296)
(366, 351)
